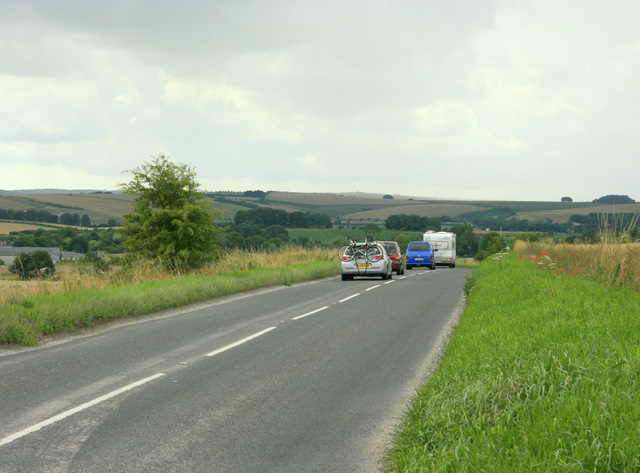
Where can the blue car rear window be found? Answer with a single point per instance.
(421, 246)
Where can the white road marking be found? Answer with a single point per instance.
(75, 410)
(310, 313)
(372, 287)
(350, 297)
(239, 342)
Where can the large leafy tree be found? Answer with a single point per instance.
(172, 221)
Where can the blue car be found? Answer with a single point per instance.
(420, 253)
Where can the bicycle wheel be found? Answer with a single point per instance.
(374, 253)
(344, 254)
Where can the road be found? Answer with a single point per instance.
(307, 378)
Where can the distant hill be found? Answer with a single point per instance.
(351, 208)
(50, 191)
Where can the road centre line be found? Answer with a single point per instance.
(75, 410)
(350, 297)
(372, 287)
(310, 313)
(239, 342)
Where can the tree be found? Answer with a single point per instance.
(70, 219)
(34, 265)
(372, 230)
(403, 241)
(566, 199)
(490, 244)
(411, 223)
(615, 199)
(466, 240)
(172, 220)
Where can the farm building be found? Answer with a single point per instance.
(8, 253)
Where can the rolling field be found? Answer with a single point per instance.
(424, 210)
(563, 215)
(99, 207)
(357, 208)
(8, 227)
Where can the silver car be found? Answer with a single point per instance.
(365, 260)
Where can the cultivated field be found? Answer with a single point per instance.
(99, 207)
(357, 207)
(563, 215)
(8, 227)
(424, 210)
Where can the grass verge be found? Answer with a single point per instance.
(540, 375)
(25, 320)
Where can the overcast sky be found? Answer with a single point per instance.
(497, 100)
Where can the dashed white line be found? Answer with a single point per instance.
(372, 287)
(350, 297)
(310, 313)
(75, 410)
(239, 342)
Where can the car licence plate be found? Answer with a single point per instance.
(363, 265)
(419, 259)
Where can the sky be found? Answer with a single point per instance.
(474, 100)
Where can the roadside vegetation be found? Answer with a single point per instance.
(542, 371)
(84, 297)
(174, 258)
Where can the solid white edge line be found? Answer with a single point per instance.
(75, 410)
(310, 313)
(239, 342)
(350, 297)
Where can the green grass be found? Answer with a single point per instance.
(329, 235)
(540, 375)
(26, 321)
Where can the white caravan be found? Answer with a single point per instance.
(444, 246)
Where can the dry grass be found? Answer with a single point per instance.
(238, 260)
(616, 264)
(73, 277)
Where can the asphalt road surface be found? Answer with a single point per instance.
(307, 378)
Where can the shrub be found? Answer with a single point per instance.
(34, 265)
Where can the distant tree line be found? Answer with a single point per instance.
(411, 223)
(264, 228)
(502, 218)
(68, 239)
(42, 216)
(265, 216)
(28, 215)
(224, 197)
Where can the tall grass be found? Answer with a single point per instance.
(616, 264)
(540, 375)
(83, 298)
